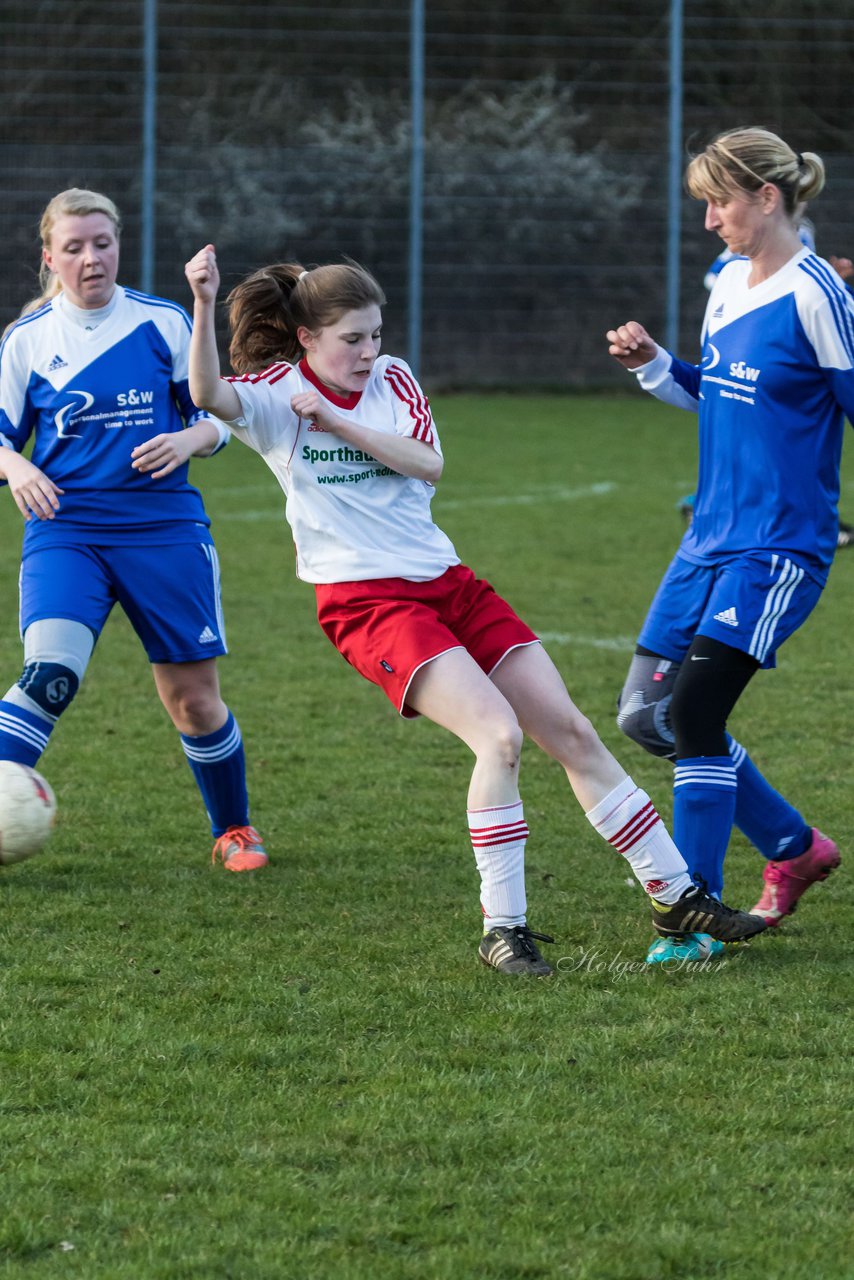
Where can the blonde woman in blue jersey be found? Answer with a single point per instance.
(844, 269)
(97, 375)
(772, 390)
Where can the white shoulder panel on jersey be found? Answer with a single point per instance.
(172, 321)
(265, 398)
(15, 361)
(826, 310)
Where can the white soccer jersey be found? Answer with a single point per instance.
(90, 397)
(352, 518)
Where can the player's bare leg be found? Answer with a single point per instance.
(615, 807)
(453, 692)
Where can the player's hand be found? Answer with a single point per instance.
(162, 454)
(842, 266)
(631, 345)
(308, 404)
(34, 493)
(203, 274)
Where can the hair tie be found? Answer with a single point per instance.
(302, 275)
(799, 159)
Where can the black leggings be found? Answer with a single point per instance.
(712, 677)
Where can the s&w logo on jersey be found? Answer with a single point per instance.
(738, 369)
(57, 363)
(134, 397)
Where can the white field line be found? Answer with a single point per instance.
(277, 516)
(549, 493)
(617, 644)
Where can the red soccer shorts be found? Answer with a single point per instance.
(387, 628)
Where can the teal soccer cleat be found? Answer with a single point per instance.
(690, 946)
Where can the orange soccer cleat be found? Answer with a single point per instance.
(240, 849)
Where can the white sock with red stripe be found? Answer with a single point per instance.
(628, 820)
(498, 838)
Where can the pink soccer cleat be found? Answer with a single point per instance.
(786, 882)
(240, 849)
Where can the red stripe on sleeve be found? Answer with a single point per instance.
(407, 389)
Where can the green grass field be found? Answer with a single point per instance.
(305, 1073)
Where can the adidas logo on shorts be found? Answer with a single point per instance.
(728, 617)
(207, 636)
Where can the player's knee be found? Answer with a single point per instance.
(508, 740)
(196, 714)
(583, 739)
(49, 685)
(500, 740)
(648, 726)
(643, 710)
(699, 725)
(571, 740)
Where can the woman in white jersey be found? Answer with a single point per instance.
(351, 439)
(772, 390)
(97, 375)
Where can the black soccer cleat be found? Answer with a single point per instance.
(697, 912)
(512, 950)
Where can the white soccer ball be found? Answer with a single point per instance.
(27, 811)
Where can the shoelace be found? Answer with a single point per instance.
(703, 900)
(525, 938)
(243, 837)
(719, 908)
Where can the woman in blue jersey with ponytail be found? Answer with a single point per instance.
(772, 390)
(97, 373)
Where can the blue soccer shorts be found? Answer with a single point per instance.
(171, 594)
(752, 602)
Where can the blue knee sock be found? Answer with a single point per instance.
(704, 794)
(23, 736)
(768, 821)
(219, 767)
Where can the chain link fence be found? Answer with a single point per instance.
(283, 131)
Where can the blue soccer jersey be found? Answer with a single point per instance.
(772, 390)
(90, 397)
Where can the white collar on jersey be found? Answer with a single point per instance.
(88, 319)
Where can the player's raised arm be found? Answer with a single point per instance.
(631, 345)
(206, 386)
